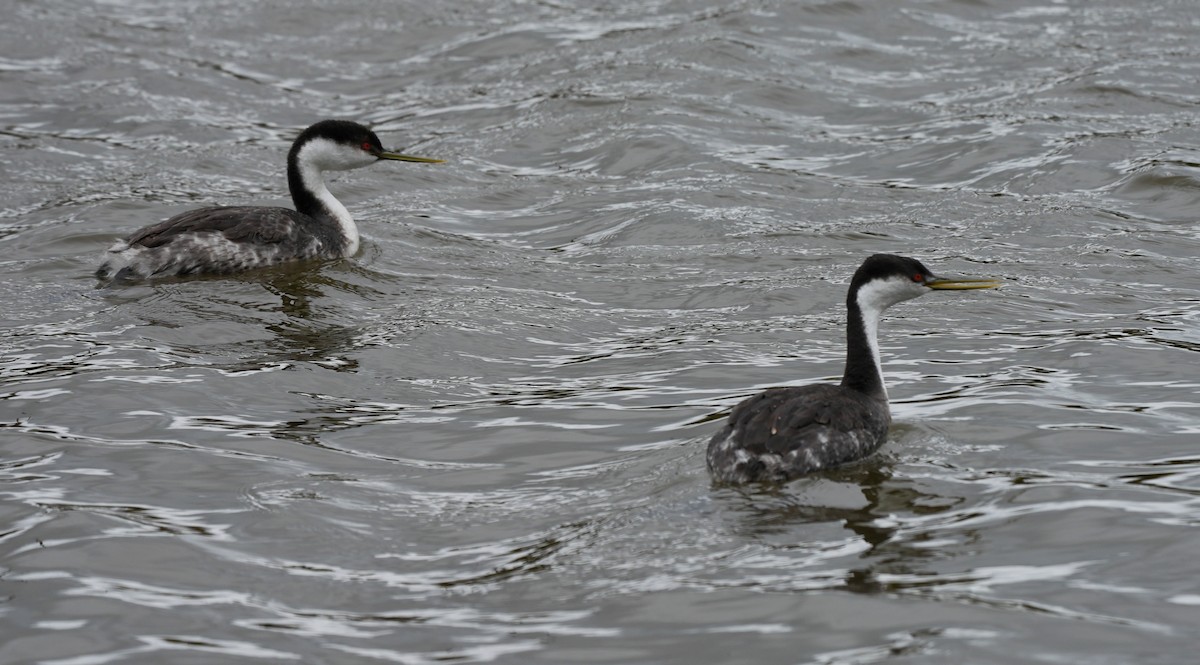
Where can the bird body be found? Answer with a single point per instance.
(222, 240)
(227, 239)
(784, 433)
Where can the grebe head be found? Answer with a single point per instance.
(338, 145)
(886, 279)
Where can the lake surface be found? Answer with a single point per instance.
(481, 439)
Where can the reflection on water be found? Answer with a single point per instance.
(482, 439)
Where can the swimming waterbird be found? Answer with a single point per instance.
(783, 433)
(229, 239)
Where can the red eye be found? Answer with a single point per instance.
(367, 146)
(918, 277)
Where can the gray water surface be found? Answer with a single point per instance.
(481, 440)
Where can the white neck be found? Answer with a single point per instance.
(871, 310)
(874, 297)
(320, 155)
(310, 173)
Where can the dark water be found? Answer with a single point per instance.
(481, 439)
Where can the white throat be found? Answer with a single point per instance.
(315, 183)
(321, 155)
(873, 298)
(871, 312)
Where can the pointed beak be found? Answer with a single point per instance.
(409, 158)
(961, 283)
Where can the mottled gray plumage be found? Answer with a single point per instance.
(783, 433)
(224, 240)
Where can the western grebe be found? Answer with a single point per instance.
(782, 433)
(229, 239)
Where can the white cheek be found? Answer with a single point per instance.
(879, 295)
(329, 156)
(357, 159)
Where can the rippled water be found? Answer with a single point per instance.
(481, 440)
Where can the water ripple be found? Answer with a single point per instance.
(482, 440)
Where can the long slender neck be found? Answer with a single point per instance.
(313, 198)
(863, 371)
